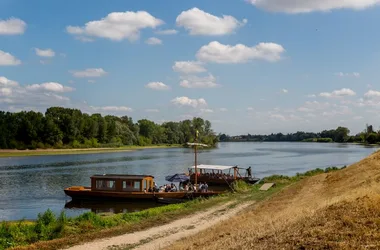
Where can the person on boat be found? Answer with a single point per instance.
(249, 172)
(200, 187)
(205, 187)
(173, 188)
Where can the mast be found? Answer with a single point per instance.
(195, 157)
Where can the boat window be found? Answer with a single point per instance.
(105, 184)
(137, 185)
(127, 184)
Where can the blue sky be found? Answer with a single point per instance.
(248, 66)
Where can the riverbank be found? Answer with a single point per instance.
(49, 232)
(38, 152)
(336, 210)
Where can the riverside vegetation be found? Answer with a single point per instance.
(64, 128)
(340, 134)
(51, 232)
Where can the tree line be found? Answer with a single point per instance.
(340, 134)
(70, 128)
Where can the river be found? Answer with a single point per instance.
(30, 185)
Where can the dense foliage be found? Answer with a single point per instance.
(70, 128)
(341, 134)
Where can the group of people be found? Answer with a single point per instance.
(183, 186)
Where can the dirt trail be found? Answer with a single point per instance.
(159, 237)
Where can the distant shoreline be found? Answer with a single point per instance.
(72, 151)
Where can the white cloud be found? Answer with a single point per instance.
(92, 72)
(372, 94)
(91, 81)
(186, 101)
(152, 110)
(199, 22)
(20, 97)
(239, 53)
(338, 93)
(207, 111)
(49, 86)
(153, 41)
(305, 6)
(250, 109)
(4, 82)
(223, 110)
(311, 96)
(45, 52)
(354, 74)
(285, 91)
(166, 32)
(357, 117)
(192, 82)
(157, 86)
(12, 26)
(7, 59)
(117, 26)
(188, 67)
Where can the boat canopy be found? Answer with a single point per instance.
(213, 167)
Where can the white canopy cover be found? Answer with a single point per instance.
(214, 167)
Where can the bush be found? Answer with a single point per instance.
(76, 144)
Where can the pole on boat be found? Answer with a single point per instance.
(195, 157)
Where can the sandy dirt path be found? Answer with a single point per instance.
(165, 235)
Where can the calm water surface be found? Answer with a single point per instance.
(30, 185)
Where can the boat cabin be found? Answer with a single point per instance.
(121, 183)
(231, 172)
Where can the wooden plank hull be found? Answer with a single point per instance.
(78, 193)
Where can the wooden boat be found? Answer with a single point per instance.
(216, 175)
(126, 187)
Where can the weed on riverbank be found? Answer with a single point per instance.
(51, 232)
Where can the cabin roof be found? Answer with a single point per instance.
(213, 167)
(121, 176)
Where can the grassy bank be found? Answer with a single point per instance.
(36, 152)
(51, 232)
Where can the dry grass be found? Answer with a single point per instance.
(338, 210)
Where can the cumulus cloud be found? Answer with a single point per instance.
(49, 86)
(166, 32)
(186, 101)
(117, 26)
(353, 74)
(311, 96)
(305, 6)
(153, 41)
(372, 94)
(239, 53)
(250, 109)
(223, 110)
(21, 97)
(338, 93)
(285, 91)
(198, 22)
(12, 26)
(92, 72)
(45, 52)
(5, 82)
(157, 86)
(192, 82)
(188, 67)
(7, 59)
(207, 111)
